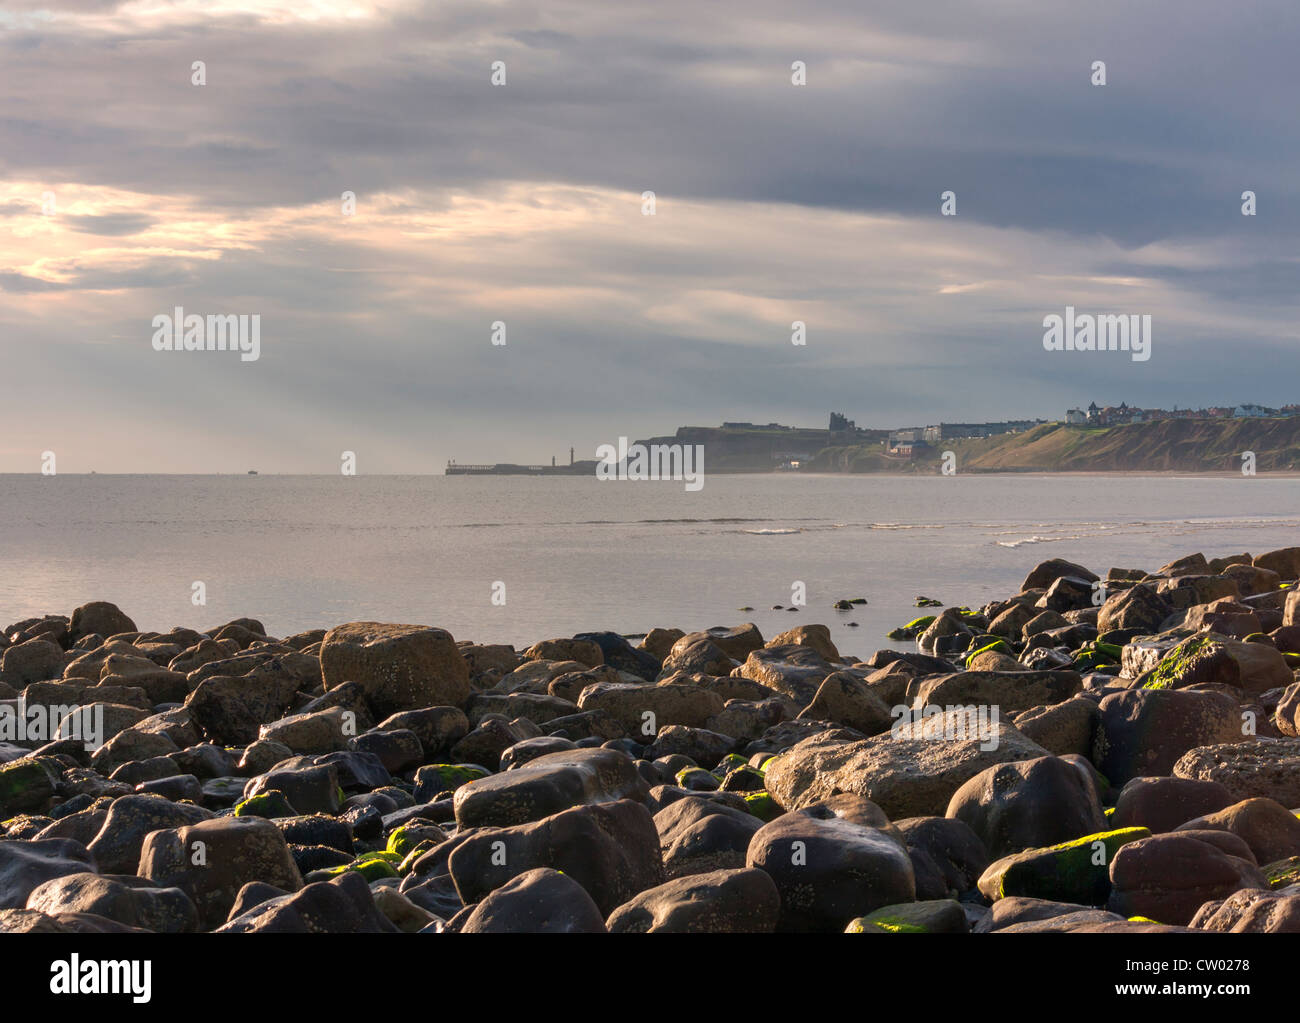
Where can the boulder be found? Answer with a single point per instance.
(792, 670)
(816, 637)
(547, 785)
(1010, 691)
(611, 849)
(1077, 871)
(25, 866)
(117, 845)
(1268, 768)
(1143, 732)
(1047, 572)
(1270, 830)
(1066, 727)
(230, 709)
(947, 856)
(538, 901)
(1169, 877)
(1209, 658)
(123, 898)
(830, 869)
(848, 700)
(212, 860)
(911, 772)
(584, 651)
(668, 704)
(1139, 607)
(323, 731)
(1285, 562)
(98, 617)
(1028, 804)
(699, 835)
(1162, 804)
(342, 905)
(742, 901)
(400, 667)
(1252, 911)
(943, 916)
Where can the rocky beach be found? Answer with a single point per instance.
(1109, 750)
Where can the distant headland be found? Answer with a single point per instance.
(1122, 438)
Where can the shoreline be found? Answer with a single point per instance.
(1154, 716)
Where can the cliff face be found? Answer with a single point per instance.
(1179, 445)
(758, 449)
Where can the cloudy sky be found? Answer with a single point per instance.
(522, 203)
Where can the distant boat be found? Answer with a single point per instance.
(252, 472)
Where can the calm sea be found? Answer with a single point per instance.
(578, 554)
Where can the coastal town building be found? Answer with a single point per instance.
(1113, 415)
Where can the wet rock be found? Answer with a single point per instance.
(117, 846)
(26, 784)
(1162, 804)
(1144, 732)
(830, 869)
(123, 898)
(741, 901)
(25, 866)
(1027, 805)
(611, 849)
(947, 856)
(539, 901)
(1209, 659)
(1076, 871)
(943, 916)
(698, 835)
(343, 905)
(1169, 877)
(1270, 830)
(547, 785)
(313, 789)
